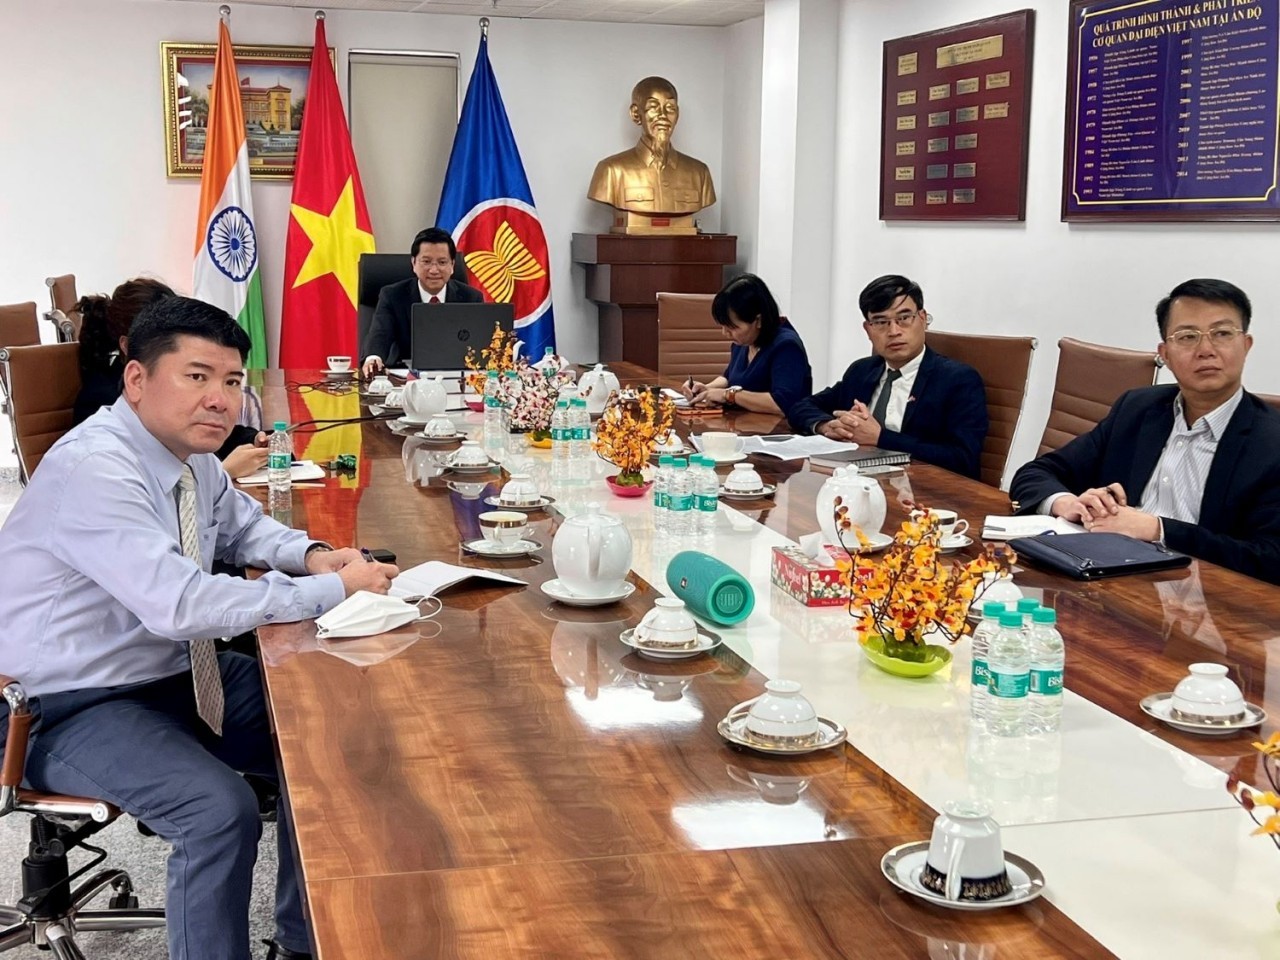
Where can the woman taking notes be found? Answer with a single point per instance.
(768, 369)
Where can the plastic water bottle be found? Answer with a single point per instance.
(1027, 606)
(492, 400)
(580, 427)
(980, 676)
(560, 431)
(279, 458)
(661, 490)
(1048, 656)
(679, 500)
(706, 494)
(1009, 663)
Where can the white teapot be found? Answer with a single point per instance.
(596, 385)
(862, 495)
(423, 399)
(591, 553)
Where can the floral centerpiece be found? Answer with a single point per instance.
(531, 396)
(499, 355)
(910, 594)
(1255, 800)
(632, 423)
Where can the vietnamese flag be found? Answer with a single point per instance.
(328, 228)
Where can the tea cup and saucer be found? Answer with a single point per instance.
(519, 493)
(723, 446)
(668, 632)
(744, 483)
(441, 429)
(469, 458)
(1206, 701)
(780, 720)
(339, 367)
(503, 535)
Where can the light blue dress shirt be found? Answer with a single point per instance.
(94, 587)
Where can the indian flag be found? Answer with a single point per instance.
(226, 255)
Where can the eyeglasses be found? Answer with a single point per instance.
(443, 264)
(1219, 337)
(905, 321)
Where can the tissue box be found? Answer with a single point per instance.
(803, 579)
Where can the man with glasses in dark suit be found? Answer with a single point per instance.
(905, 396)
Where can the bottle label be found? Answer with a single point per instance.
(582, 433)
(664, 500)
(707, 502)
(1047, 683)
(558, 435)
(1009, 686)
(278, 461)
(681, 502)
(981, 676)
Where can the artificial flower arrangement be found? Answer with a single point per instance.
(632, 423)
(1252, 800)
(531, 396)
(910, 594)
(499, 355)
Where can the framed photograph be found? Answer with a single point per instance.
(954, 121)
(273, 93)
(1173, 111)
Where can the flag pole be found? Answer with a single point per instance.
(224, 14)
(319, 14)
(484, 27)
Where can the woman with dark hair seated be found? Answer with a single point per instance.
(104, 341)
(768, 368)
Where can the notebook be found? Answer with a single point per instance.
(864, 456)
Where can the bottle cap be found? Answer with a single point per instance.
(1011, 618)
(1028, 605)
(549, 352)
(491, 373)
(665, 460)
(1044, 615)
(679, 463)
(280, 426)
(992, 609)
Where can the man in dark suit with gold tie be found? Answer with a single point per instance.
(432, 255)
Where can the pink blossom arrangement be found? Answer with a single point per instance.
(530, 397)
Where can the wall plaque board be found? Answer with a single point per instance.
(1172, 110)
(961, 97)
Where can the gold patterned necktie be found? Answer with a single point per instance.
(204, 659)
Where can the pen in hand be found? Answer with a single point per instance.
(364, 552)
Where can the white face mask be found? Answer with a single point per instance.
(364, 614)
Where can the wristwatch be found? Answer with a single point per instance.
(731, 396)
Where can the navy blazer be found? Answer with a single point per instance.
(1239, 524)
(388, 335)
(946, 419)
(780, 369)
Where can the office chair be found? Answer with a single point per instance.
(690, 342)
(376, 271)
(18, 328)
(43, 382)
(51, 911)
(63, 300)
(1090, 379)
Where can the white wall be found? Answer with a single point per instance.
(1042, 277)
(83, 141)
(738, 186)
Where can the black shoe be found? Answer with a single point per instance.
(277, 952)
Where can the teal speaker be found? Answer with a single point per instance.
(710, 588)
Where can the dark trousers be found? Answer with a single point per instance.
(143, 748)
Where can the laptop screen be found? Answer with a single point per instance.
(441, 333)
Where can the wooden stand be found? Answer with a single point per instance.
(626, 273)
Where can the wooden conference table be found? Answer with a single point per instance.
(509, 781)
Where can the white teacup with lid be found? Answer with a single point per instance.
(743, 479)
(780, 716)
(519, 491)
(470, 454)
(440, 425)
(1207, 694)
(668, 626)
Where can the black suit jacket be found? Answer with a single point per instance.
(1239, 523)
(388, 335)
(946, 419)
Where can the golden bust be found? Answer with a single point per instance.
(653, 178)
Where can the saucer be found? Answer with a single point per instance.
(408, 421)
(902, 866)
(540, 504)
(767, 490)
(471, 467)
(487, 548)
(340, 374)
(734, 729)
(1159, 705)
(451, 438)
(705, 643)
(731, 458)
(958, 542)
(558, 591)
(682, 452)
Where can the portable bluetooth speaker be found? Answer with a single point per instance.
(710, 588)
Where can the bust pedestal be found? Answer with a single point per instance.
(625, 273)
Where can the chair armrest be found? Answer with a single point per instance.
(15, 746)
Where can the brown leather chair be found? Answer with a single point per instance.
(1270, 399)
(63, 313)
(19, 326)
(1003, 363)
(51, 911)
(43, 383)
(690, 343)
(1090, 379)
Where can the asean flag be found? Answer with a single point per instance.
(488, 207)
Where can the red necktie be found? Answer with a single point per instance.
(434, 299)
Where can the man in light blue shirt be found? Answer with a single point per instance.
(110, 608)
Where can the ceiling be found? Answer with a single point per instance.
(701, 13)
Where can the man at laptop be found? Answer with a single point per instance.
(905, 396)
(432, 256)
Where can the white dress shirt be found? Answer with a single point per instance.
(96, 586)
(901, 394)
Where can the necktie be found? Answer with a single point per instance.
(204, 659)
(882, 401)
(434, 299)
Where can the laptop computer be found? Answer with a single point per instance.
(440, 333)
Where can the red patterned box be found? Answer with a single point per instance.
(803, 579)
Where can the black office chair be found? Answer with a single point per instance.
(51, 911)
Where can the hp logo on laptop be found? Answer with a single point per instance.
(464, 334)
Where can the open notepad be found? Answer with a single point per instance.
(299, 470)
(1031, 525)
(428, 579)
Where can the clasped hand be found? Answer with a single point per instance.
(356, 572)
(1106, 510)
(856, 425)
